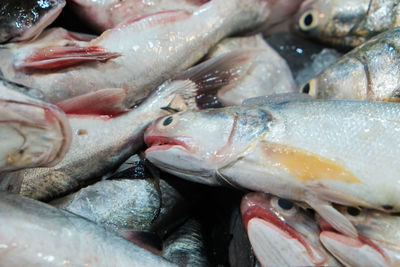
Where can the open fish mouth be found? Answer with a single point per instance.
(163, 143)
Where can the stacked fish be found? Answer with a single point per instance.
(294, 100)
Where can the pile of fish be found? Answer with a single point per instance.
(200, 133)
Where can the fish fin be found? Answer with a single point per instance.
(144, 239)
(334, 217)
(60, 57)
(103, 102)
(275, 99)
(211, 75)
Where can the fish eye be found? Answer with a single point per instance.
(309, 20)
(285, 204)
(167, 121)
(353, 211)
(309, 88)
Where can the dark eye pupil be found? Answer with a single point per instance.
(285, 204)
(353, 211)
(167, 121)
(308, 20)
(306, 88)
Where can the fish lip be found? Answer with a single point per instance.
(256, 209)
(156, 143)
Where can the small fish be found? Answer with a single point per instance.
(37, 234)
(25, 19)
(106, 14)
(137, 55)
(101, 143)
(378, 243)
(283, 234)
(346, 23)
(267, 73)
(369, 72)
(32, 133)
(315, 151)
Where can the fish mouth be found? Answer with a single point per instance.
(272, 223)
(329, 235)
(156, 143)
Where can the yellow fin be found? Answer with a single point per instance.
(307, 166)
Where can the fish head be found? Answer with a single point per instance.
(196, 144)
(377, 243)
(329, 21)
(281, 233)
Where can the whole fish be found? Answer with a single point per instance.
(369, 72)
(25, 19)
(283, 234)
(378, 243)
(106, 14)
(346, 23)
(32, 133)
(267, 73)
(159, 46)
(101, 143)
(37, 234)
(316, 151)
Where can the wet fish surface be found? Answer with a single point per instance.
(25, 19)
(37, 234)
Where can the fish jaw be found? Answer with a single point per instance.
(350, 251)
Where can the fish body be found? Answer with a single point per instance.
(267, 73)
(160, 46)
(37, 234)
(25, 19)
(283, 234)
(378, 243)
(346, 23)
(316, 151)
(33, 133)
(369, 72)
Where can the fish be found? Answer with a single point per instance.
(378, 243)
(316, 151)
(346, 24)
(101, 143)
(22, 20)
(267, 73)
(186, 246)
(160, 46)
(32, 133)
(104, 15)
(37, 234)
(283, 234)
(368, 72)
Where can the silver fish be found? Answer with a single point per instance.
(346, 23)
(25, 19)
(267, 73)
(316, 151)
(37, 234)
(32, 133)
(378, 243)
(370, 71)
(283, 234)
(159, 47)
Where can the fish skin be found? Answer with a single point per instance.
(368, 72)
(182, 38)
(106, 14)
(380, 229)
(293, 222)
(267, 73)
(34, 133)
(344, 23)
(53, 237)
(25, 19)
(316, 151)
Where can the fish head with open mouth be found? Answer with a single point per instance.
(281, 233)
(196, 144)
